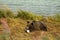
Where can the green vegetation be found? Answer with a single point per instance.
(6, 13)
(28, 15)
(57, 17)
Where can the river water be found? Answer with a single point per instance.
(43, 7)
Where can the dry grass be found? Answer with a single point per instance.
(17, 25)
(17, 31)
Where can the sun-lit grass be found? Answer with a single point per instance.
(28, 15)
(6, 13)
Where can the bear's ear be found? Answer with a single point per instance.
(28, 22)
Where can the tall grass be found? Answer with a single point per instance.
(28, 15)
(6, 13)
(57, 17)
(21, 14)
(17, 25)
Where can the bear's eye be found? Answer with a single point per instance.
(31, 23)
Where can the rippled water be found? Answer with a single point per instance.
(37, 6)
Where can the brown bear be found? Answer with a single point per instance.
(35, 25)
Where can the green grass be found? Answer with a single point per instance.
(6, 13)
(28, 15)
